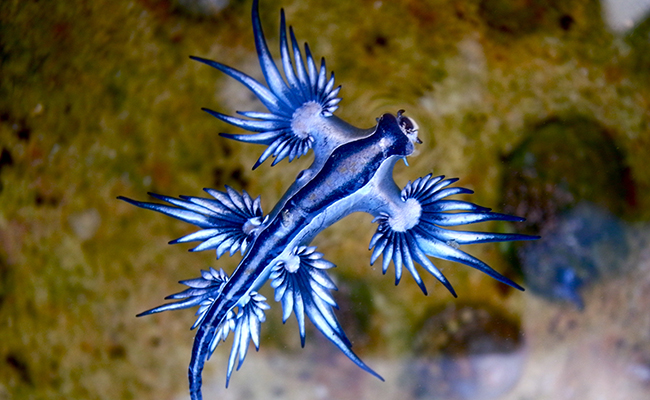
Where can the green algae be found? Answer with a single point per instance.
(562, 162)
(98, 99)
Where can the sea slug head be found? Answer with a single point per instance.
(399, 134)
(409, 127)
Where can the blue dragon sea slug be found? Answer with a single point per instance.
(352, 171)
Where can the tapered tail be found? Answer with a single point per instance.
(195, 369)
(201, 348)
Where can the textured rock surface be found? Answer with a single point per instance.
(99, 99)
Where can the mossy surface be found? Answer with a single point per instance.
(99, 99)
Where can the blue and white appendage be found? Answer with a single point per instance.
(414, 227)
(300, 109)
(228, 222)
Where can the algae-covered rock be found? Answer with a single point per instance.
(465, 351)
(569, 179)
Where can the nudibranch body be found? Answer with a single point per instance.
(352, 171)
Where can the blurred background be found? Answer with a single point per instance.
(542, 107)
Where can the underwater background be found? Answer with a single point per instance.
(542, 107)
